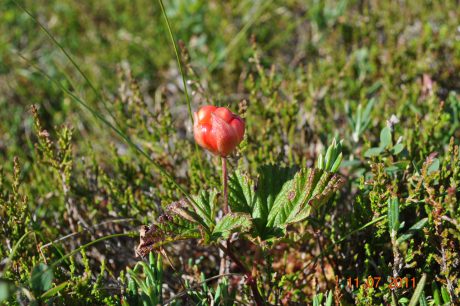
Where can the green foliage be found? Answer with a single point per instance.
(393, 216)
(333, 157)
(146, 290)
(221, 295)
(230, 223)
(13, 208)
(360, 120)
(412, 230)
(5, 290)
(145, 287)
(280, 197)
(41, 278)
(385, 145)
(417, 296)
(318, 299)
(381, 77)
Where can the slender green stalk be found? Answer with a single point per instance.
(117, 129)
(159, 168)
(376, 220)
(179, 64)
(54, 264)
(93, 88)
(184, 292)
(331, 246)
(225, 184)
(53, 243)
(182, 73)
(223, 261)
(69, 57)
(133, 234)
(250, 279)
(14, 249)
(237, 38)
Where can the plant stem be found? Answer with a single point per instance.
(226, 248)
(120, 133)
(223, 262)
(225, 184)
(251, 279)
(176, 52)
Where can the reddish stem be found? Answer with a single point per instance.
(225, 184)
(226, 248)
(251, 279)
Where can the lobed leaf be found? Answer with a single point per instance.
(231, 223)
(309, 189)
(205, 208)
(176, 223)
(241, 193)
(281, 197)
(181, 220)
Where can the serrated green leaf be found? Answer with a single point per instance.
(178, 222)
(256, 198)
(269, 185)
(231, 223)
(412, 230)
(385, 138)
(41, 278)
(280, 197)
(372, 152)
(293, 197)
(241, 193)
(206, 201)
